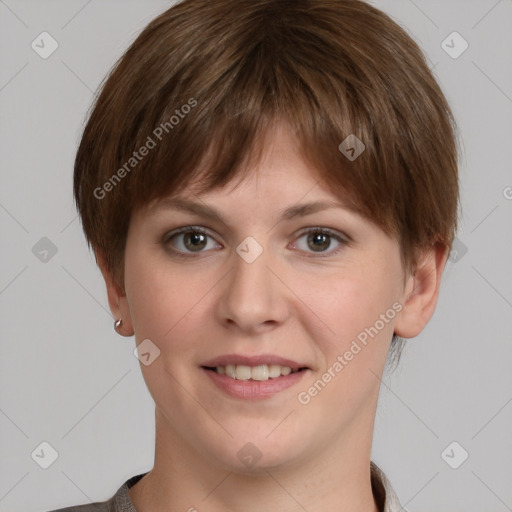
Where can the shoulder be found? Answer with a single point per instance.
(103, 506)
(120, 502)
(99, 506)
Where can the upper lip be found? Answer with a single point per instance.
(239, 359)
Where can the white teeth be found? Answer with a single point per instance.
(260, 372)
(230, 371)
(274, 370)
(242, 372)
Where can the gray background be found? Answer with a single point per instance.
(66, 378)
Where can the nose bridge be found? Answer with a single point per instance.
(250, 297)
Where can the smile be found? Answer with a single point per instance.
(253, 377)
(260, 372)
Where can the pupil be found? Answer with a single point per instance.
(323, 240)
(195, 241)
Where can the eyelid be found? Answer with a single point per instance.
(333, 232)
(185, 229)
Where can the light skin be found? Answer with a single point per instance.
(293, 301)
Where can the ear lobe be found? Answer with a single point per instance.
(116, 297)
(421, 291)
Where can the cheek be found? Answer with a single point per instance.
(164, 299)
(349, 303)
(354, 347)
(156, 295)
(355, 306)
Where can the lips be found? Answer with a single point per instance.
(253, 377)
(253, 389)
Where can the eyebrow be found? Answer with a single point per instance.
(203, 210)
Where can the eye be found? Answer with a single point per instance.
(319, 240)
(188, 240)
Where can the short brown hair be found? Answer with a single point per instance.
(214, 75)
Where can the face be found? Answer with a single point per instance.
(272, 320)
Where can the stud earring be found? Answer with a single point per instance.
(117, 324)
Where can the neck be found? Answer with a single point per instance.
(335, 477)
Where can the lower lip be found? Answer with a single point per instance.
(254, 389)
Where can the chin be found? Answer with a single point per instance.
(257, 453)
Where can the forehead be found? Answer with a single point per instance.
(279, 175)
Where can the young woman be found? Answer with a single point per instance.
(270, 189)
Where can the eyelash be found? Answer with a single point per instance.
(343, 240)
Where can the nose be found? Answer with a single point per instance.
(252, 299)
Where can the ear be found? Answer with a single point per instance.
(116, 298)
(421, 292)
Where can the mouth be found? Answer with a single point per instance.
(260, 372)
(253, 377)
